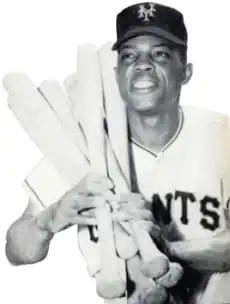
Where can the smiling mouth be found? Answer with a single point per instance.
(144, 86)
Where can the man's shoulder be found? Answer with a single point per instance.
(203, 116)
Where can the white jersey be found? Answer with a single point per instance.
(188, 186)
(189, 181)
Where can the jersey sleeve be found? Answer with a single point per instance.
(45, 185)
(33, 207)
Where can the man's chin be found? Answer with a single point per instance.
(147, 111)
(147, 108)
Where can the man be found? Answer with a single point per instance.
(179, 160)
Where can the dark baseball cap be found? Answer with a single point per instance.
(149, 18)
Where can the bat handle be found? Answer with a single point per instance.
(89, 249)
(109, 282)
(154, 263)
(125, 244)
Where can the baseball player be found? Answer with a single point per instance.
(179, 162)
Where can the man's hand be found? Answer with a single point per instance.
(70, 209)
(131, 207)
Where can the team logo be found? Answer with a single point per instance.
(146, 13)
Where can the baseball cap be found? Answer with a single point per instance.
(150, 18)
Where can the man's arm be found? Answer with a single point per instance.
(206, 255)
(26, 241)
(28, 238)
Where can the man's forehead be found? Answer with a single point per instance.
(145, 41)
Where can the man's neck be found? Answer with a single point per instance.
(154, 132)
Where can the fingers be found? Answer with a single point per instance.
(135, 200)
(84, 203)
(82, 220)
(135, 214)
(69, 211)
(94, 184)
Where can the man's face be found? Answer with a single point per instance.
(150, 74)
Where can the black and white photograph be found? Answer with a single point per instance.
(115, 152)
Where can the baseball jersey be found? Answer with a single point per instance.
(187, 185)
(188, 182)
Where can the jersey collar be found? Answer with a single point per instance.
(169, 143)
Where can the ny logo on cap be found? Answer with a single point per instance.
(146, 13)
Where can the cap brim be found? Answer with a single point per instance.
(147, 30)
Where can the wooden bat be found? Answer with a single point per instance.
(58, 101)
(109, 282)
(146, 290)
(44, 128)
(172, 277)
(117, 128)
(31, 110)
(175, 272)
(155, 263)
(53, 93)
(55, 96)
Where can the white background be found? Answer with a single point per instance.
(40, 38)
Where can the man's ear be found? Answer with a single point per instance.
(188, 72)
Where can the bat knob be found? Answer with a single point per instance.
(110, 289)
(155, 295)
(172, 277)
(156, 267)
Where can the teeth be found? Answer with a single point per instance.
(143, 84)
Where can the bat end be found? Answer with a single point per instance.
(126, 254)
(155, 268)
(125, 244)
(172, 277)
(156, 295)
(12, 80)
(127, 250)
(108, 289)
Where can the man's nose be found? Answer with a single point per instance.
(144, 66)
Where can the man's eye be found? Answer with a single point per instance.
(128, 57)
(161, 56)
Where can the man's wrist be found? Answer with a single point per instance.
(42, 222)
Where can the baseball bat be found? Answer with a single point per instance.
(39, 120)
(172, 277)
(54, 94)
(60, 149)
(108, 63)
(57, 99)
(109, 283)
(155, 263)
(115, 112)
(44, 128)
(59, 102)
(146, 290)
